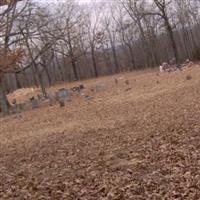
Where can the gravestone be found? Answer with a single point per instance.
(99, 87)
(81, 87)
(88, 98)
(14, 101)
(14, 109)
(61, 102)
(127, 82)
(21, 107)
(76, 89)
(41, 97)
(188, 77)
(52, 98)
(127, 89)
(34, 102)
(63, 93)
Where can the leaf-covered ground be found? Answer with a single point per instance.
(137, 142)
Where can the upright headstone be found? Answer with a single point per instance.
(78, 88)
(53, 97)
(127, 82)
(14, 101)
(81, 87)
(41, 97)
(99, 87)
(20, 107)
(62, 102)
(172, 62)
(188, 77)
(63, 93)
(34, 102)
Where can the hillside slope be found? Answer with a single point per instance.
(140, 141)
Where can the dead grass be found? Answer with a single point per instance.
(142, 143)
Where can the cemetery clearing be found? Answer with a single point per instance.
(129, 136)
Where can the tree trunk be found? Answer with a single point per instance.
(44, 92)
(73, 61)
(144, 43)
(172, 40)
(115, 59)
(94, 63)
(74, 67)
(48, 75)
(4, 105)
(34, 76)
(59, 68)
(106, 57)
(132, 58)
(42, 86)
(72, 56)
(18, 81)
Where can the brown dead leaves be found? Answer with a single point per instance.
(142, 144)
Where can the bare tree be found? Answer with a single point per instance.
(95, 34)
(162, 11)
(111, 31)
(10, 37)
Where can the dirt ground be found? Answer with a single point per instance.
(138, 141)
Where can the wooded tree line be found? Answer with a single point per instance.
(67, 41)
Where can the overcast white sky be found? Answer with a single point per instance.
(53, 1)
(80, 1)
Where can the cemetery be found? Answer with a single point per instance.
(62, 96)
(120, 127)
(33, 98)
(100, 100)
